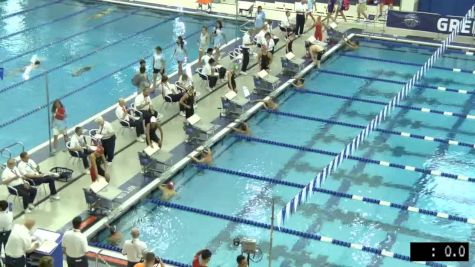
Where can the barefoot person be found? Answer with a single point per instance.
(59, 123)
(316, 53)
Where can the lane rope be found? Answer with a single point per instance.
(360, 159)
(351, 147)
(381, 103)
(69, 37)
(3, 90)
(50, 22)
(311, 236)
(29, 9)
(438, 88)
(369, 200)
(405, 63)
(359, 126)
(106, 76)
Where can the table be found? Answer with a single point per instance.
(50, 246)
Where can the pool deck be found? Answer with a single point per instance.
(125, 170)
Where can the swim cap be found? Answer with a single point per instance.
(170, 185)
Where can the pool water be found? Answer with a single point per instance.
(68, 35)
(177, 234)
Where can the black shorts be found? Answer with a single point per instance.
(155, 71)
(320, 54)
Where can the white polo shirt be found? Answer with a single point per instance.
(270, 44)
(205, 59)
(140, 100)
(300, 8)
(19, 242)
(77, 141)
(157, 61)
(106, 130)
(10, 173)
(207, 70)
(121, 113)
(28, 168)
(75, 243)
(6, 220)
(246, 40)
(134, 249)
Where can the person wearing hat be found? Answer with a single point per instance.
(167, 190)
(151, 133)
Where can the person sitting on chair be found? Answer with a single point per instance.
(143, 103)
(31, 171)
(128, 120)
(206, 157)
(79, 145)
(184, 82)
(11, 176)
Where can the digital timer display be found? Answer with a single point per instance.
(432, 251)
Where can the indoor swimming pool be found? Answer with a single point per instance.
(67, 36)
(421, 156)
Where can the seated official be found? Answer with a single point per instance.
(170, 93)
(143, 103)
(205, 59)
(31, 171)
(287, 24)
(79, 145)
(11, 176)
(127, 118)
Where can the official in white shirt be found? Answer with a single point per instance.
(209, 71)
(75, 245)
(246, 46)
(134, 248)
(287, 24)
(171, 94)
(301, 9)
(79, 146)
(108, 137)
(158, 64)
(31, 171)
(206, 57)
(128, 120)
(143, 103)
(11, 176)
(19, 244)
(6, 222)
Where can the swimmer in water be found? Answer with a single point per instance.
(242, 128)
(35, 63)
(268, 104)
(80, 71)
(351, 45)
(102, 13)
(167, 190)
(298, 82)
(115, 236)
(205, 158)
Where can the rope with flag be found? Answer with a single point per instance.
(302, 196)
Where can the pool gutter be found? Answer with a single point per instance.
(153, 185)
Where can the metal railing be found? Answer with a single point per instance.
(98, 257)
(5, 152)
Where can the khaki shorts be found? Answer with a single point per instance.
(361, 8)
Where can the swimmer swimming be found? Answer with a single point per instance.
(102, 13)
(80, 71)
(34, 64)
(167, 190)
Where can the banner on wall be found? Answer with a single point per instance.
(429, 22)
